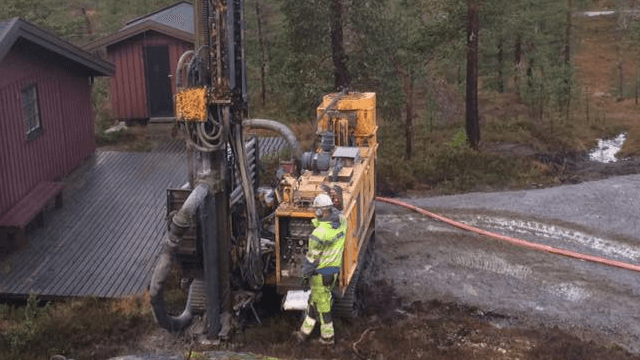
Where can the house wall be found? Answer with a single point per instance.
(65, 111)
(128, 85)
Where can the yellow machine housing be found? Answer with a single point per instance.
(351, 118)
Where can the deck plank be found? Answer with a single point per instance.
(105, 240)
(104, 218)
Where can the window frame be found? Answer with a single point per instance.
(31, 113)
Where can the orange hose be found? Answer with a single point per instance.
(514, 241)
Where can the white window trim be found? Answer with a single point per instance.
(31, 111)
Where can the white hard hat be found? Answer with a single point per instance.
(322, 201)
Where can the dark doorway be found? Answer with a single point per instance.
(157, 70)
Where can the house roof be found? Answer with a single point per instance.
(18, 29)
(178, 15)
(3, 27)
(175, 20)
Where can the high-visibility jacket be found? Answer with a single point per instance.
(326, 243)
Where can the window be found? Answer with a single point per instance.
(31, 111)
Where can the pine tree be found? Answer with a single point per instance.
(473, 33)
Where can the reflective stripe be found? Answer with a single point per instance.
(330, 260)
(315, 238)
(332, 257)
(319, 232)
(332, 252)
(326, 244)
(314, 252)
(307, 325)
(329, 241)
(338, 236)
(319, 241)
(327, 331)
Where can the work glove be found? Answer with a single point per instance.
(309, 268)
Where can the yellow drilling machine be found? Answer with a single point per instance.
(228, 237)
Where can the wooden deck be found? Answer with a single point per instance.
(104, 241)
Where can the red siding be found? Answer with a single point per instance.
(128, 85)
(65, 109)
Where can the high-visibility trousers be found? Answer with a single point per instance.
(320, 306)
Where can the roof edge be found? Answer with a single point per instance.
(9, 37)
(156, 11)
(138, 29)
(20, 28)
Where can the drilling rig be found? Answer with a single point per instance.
(228, 237)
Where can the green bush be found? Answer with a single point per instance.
(18, 339)
(87, 329)
(444, 163)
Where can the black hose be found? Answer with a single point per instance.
(252, 268)
(173, 324)
(179, 223)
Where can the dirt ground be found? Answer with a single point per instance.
(438, 293)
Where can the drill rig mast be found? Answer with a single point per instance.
(211, 104)
(223, 246)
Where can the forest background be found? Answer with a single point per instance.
(550, 82)
(539, 109)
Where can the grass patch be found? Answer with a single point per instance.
(447, 170)
(516, 152)
(80, 328)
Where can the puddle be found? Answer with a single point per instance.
(607, 149)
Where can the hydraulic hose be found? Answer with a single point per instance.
(178, 224)
(280, 128)
(180, 67)
(514, 241)
(252, 269)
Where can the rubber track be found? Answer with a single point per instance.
(345, 306)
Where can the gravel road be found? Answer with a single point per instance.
(425, 259)
(610, 205)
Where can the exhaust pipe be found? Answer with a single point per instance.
(280, 128)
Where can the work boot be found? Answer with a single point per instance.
(328, 342)
(299, 337)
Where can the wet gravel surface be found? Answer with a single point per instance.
(425, 259)
(611, 205)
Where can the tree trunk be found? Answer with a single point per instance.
(263, 51)
(500, 67)
(567, 37)
(409, 111)
(341, 73)
(473, 26)
(517, 55)
(636, 88)
(88, 21)
(621, 81)
(567, 59)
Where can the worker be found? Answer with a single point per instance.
(321, 267)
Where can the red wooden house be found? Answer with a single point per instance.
(146, 52)
(46, 122)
